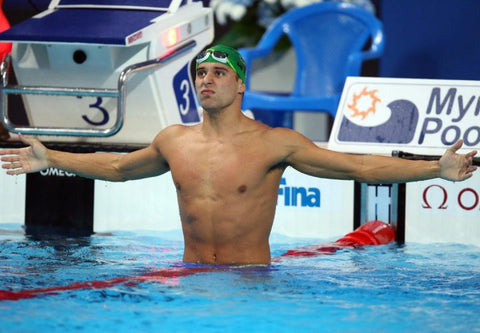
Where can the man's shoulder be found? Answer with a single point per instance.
(171, 133)
(178, 129)
(280, 133)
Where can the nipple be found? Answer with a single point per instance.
(242, 189)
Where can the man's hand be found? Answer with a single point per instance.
(25, 160)
(457, 167)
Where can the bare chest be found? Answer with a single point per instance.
(220, 169)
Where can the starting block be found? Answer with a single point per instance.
(115, 71)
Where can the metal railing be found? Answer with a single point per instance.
(120, 94)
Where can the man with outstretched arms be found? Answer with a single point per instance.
(227, 169)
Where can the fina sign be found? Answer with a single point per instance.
(379, 115)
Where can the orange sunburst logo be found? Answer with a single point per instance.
(364, 103)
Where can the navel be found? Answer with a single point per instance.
(242, 189)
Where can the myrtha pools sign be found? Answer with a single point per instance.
(379, 115)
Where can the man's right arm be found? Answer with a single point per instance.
(143, 163)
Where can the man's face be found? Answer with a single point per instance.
(217, 85)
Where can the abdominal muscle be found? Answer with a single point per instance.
(234, 231)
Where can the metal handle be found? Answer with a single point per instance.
(120, 94)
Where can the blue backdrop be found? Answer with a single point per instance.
(431, 39)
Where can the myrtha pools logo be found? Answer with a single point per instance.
(412, 113)
(367, 121)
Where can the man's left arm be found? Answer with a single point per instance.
(306, 157)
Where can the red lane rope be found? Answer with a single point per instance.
(158, 275)
(371, 233)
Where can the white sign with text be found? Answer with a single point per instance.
(380, 115)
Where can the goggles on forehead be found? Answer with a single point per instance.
(232, 60)
(217, 55)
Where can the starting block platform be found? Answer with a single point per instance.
(80, 65)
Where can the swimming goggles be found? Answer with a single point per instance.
(217, 55)
(232, 60)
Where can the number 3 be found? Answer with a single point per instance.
(185, 89)
(97, 105)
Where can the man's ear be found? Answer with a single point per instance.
(241, 87)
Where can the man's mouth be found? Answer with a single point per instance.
(207, 92)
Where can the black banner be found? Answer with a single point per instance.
(58, 202)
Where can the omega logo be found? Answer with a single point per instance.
(468, 198)
(461, 195)
(56, 172)
(426, 203)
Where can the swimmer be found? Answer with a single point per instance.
(227, 169)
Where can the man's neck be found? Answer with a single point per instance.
(222, 122)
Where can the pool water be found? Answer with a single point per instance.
(390, 288)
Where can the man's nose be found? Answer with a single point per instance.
(208, 78)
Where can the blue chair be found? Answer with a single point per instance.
(331, 40)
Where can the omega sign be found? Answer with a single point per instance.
(437, 197)
(56, 172)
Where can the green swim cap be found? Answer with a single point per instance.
(226, 55)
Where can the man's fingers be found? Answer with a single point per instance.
(8, 152)
(15, 165)
(15, 172)
(456, 146)
(10, 159)
(472, 153)
(13, 160)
